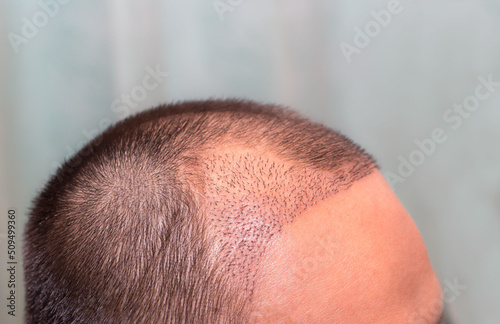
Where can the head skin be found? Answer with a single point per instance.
(209, 212)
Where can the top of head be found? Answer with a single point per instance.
(165, 216)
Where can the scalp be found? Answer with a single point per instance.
(168, 217)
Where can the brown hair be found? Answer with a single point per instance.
(166, 220)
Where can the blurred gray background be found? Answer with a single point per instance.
(390, 74)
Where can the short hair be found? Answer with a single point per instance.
(165, 216)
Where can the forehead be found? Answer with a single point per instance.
(354, 257)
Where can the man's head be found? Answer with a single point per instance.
(213, 212)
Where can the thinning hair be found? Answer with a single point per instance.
(165, 216)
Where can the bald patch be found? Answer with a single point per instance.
(250, 196)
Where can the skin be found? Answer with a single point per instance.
(355, 257)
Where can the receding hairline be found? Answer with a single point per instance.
(274, 192)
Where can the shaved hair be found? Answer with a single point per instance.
(165, 217)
